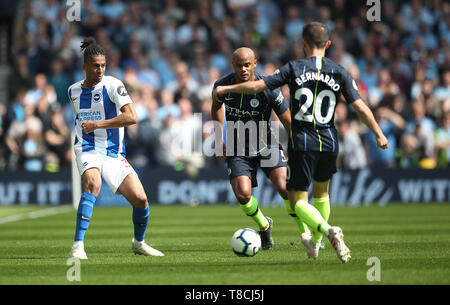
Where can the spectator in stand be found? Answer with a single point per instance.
(164, 151)
(339, 53)
(192, 30)
(352, 154)
(23, 142)
(112, 10)
(275, 50)
(189, 133)
(389, 121)
(167, 106)
(399, 105)
(42, 108)
(164, 65)
(15, 111)
(369, 74)
(33, 149)
(433, 106)
(149, 131)
(199, 67)
(146, 75)
(177, 139)
(269, 15)
(204, 91)
(59, 80)
(21, 77)
(293, 23)
(442, 141)
(362, 87)
(57, 139)
(220, 56)
(419, 117)
(185, 85)
(426, 147)
(34, 94)
(408, 152)
(442, 91)
(130, 78)
(419, 79)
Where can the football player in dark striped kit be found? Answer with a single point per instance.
(315, 85)
(250, 142)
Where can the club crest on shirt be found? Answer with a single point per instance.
(97, 97)
(254, 102)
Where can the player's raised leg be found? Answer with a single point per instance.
(131, 188)
(92, 182)
(242, 187)
(322, 204)
(312, 217)
(278, 178)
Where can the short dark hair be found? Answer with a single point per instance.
(315, 34)
(90, 47)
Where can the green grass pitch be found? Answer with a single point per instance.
(412, 243)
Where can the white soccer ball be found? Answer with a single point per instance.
(246, 242)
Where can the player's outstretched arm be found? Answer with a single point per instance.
(126, 118)
(248, 87)
(366, 116)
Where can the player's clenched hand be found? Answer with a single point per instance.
(89, 126)
(382, 142)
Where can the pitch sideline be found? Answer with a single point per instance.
(37, 214)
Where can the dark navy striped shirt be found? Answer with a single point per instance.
(248, 111)
(315, 85)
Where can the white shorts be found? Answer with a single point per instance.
(112, 170)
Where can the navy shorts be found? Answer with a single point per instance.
(304, 166)
(248, 166)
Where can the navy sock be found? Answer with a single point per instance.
(84, 214)
(140, 221)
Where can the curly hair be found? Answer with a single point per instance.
(90, 47)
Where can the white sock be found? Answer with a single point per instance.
(78, 244)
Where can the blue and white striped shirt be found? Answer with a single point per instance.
(101, 102)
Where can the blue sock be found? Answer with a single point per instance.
(140, 221)
(84, 214)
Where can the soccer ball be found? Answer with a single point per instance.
(246, 242)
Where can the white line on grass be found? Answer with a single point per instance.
(37, 214)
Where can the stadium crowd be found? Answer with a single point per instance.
(169, 53)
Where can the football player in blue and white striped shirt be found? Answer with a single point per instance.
(102, 109)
